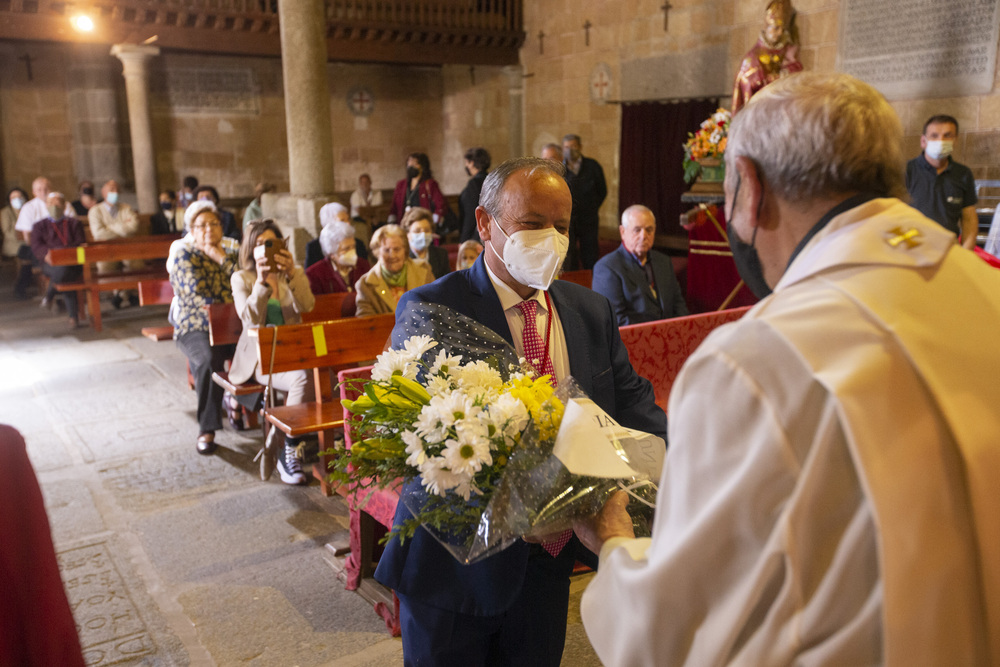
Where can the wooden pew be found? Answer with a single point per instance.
(149, 248)
(583, 277)
(658, 349)
(152, 293)
(324, 348)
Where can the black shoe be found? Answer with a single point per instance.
(133, 300)
(206, 443)
(116, 302)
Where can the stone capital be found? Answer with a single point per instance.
(134, 57)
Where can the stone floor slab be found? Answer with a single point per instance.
(171, 477)
(73, 516)
(47, 450)
(204, 541)
(134, 374)
(117, 623)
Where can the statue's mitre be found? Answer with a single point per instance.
(779, 11)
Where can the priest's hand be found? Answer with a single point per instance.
(612, 521)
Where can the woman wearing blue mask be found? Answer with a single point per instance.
(418, 222)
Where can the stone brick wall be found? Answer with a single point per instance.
(630, 33)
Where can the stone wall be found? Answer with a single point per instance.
(69, 120)
(644, 64)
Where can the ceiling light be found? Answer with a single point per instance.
(83, 23)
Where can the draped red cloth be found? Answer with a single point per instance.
(36, 625)
(711, 273)
(658, 349)
(380, 505)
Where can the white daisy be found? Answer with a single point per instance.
(454, 406)
(392, 361)
(508, 415)
(415, 449)
(445, 363)
(467, 454)
(416, 346)
(438, 385)
(437, 478)
(430, 425)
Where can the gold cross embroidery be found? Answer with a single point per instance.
(909, 237)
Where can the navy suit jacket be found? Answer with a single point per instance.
(619, 278)
(421, 568)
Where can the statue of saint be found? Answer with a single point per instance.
(774, 55)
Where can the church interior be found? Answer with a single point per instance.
(168, 558)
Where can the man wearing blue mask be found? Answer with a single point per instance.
(114, 219)
(830, 493)
(510, 609)
(941, 188)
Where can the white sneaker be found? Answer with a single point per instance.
(289, 467)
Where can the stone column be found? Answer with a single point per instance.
(515, 111)
(307, 97)
(135, 62)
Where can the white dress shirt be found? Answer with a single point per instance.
(515, 321)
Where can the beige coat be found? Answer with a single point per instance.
(374, 295)
(829, 496)
(251, 299)
(105, 226)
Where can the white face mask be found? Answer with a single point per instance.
(419, 241)
(533, 256)
(112, 198)
(16, 203)
(939, 149)
(349, 258)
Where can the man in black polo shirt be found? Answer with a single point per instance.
(941, 188)
(586, 183)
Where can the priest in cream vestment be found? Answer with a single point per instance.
(831, 492)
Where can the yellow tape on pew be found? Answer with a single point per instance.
(319, 340)
(80, 255)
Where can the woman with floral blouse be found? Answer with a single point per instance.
(201, 266)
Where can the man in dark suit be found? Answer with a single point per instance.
(477, 162)
(586, 183)
(510, 609)
(637, 280)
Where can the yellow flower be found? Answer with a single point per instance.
(538, 397)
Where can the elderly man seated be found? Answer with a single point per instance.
(637, 280)
(114, 219)
(58, 230)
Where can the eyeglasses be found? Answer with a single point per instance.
(211, 225)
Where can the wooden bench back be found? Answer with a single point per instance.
(335, 344)
(582, 277)
(153, 292)
(147, 247)
(225, 326)
(658, 349)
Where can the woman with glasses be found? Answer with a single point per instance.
(271, 290)
(201, 266)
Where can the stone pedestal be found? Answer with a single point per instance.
(135, 62)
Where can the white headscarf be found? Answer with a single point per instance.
(193, 209)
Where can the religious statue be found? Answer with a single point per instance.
(774, 55)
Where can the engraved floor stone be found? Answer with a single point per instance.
(112, 628)
(72, 513)
(169, 477)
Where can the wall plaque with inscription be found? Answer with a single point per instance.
(920, 48)
(190, 90)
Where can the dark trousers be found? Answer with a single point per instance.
(23, 281)
(583, 248)
(532, 632)
(205, 360)
(64, 274)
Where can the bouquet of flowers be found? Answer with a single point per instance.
(708, 142)
(483, 449)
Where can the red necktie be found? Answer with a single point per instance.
(537, 353)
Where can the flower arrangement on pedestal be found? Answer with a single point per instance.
(704, 149)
